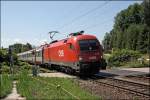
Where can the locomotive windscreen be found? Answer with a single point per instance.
(88, 45)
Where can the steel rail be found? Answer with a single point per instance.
(126, 87)
(115, 78)
(142, 77)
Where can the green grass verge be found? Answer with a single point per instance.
(41, 88)
(5, 85)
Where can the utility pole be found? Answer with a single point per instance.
(0, 40)
(11, 60)
(34, 67)
(0, 29)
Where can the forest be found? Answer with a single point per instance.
(131, 29)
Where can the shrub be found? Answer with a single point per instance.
(5, 57)
(5, 69)
(119, 57)
(136, 64)
(24, 65)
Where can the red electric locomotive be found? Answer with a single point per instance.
(78, 53)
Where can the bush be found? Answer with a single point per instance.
(5, 57)
(5, 69)
(119, 57)
(24, 65)
(136, 64)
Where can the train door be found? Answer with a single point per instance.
(42, 55)
(49, 55)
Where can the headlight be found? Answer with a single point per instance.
(80, 58)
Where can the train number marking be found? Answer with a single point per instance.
(60, 53)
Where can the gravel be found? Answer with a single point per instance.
(107, 92)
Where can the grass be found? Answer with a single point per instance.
(70, 86)
(51, 88)
(5, 85)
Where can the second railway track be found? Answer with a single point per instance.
(132, 87)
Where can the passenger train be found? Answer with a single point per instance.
(79, 52)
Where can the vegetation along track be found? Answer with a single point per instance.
(132, 87)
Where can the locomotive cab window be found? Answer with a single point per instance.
(71, 46)
(88, 45)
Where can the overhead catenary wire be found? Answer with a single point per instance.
(94, 20)
(96, 25)
(84, 14)
(70, 10)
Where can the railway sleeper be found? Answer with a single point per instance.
(124, 89)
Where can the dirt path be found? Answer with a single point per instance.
(56, 74)
(14, 95)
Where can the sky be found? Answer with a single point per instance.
(30, 21)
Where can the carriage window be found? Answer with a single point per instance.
(38, 53)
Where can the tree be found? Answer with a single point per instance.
(146, 5)
(29, 46)
(18, 47)
(143, 42)
(130, 30)
(106, 42)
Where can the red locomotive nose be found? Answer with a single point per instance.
(89, 50)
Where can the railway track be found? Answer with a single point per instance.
(139, 78)
(132, 87)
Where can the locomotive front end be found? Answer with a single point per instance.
(89, 56)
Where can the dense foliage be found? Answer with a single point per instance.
(18, 47)
(147, 11)
(131, 29)
(121, 57)
(5, 57)
(6, 54)
(5, 62)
